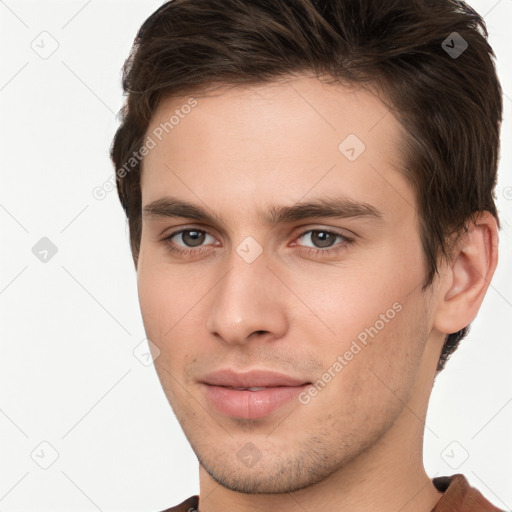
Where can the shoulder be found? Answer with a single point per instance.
(458, 495)
(189, 505)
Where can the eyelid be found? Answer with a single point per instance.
(183, 249)
(177, 230)
(306, 228)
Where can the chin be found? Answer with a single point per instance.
(275, 476)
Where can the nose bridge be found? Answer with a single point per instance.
(247, 299)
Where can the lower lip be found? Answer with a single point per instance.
(251, 404)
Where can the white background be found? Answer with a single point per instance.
(68, 374)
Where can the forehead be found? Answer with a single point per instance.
(274, 143)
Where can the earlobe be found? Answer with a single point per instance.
(468, 274)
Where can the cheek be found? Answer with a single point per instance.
(374, 379)
(348, 302)
(157, 298)
(150, 300)
(170, 308)
(162, 289)
(161, 310)
(384, 370)
(371, 328)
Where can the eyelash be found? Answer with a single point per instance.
(309, 250)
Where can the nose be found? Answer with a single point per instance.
(249, 302)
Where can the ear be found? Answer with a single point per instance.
(466, 277)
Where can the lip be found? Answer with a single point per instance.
(280, 390)
(228, 377)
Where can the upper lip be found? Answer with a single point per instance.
(253, 378)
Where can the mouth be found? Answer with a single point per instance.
(250, 395)
(253, 402)
(252, 388)
(229, 377)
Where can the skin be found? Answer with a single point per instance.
(357, 444)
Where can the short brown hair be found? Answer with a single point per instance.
(449, 104)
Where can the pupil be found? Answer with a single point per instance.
(324, 240)
(197, 238)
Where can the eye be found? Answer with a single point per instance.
(193, 241)
(192, 238)
(323, 240)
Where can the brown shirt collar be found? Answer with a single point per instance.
(458, 496)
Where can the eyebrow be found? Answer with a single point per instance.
(329, 207)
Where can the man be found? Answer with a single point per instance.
(309, 190)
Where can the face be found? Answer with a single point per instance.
(327, 299)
